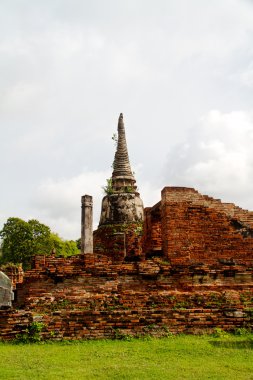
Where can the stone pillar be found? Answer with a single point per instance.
(6, 293)
(86, 224)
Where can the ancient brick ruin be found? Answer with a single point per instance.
(122, 204)
(186, 266)
(119, 231)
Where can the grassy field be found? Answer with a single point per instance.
(180, 357)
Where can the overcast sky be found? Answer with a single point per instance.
(181, 71)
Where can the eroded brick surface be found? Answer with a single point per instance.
(190, 271)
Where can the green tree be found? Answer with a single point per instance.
(63, 247)
(21, 240)
(78, 243)
(71, 248)
(41, 242)
(56, 243)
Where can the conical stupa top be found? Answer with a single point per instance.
(121, 164)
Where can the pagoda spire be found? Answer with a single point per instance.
(121, 163)
(122, 203)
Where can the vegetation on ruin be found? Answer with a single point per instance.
(115, 139)
(32, 334)
(222, 356)
(129, 189)
(108, 190)
(21, 240)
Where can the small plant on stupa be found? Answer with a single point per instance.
(108, 187)
(115, 138)
(129, 189)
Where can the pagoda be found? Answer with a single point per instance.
(122, 203)
(119, 233)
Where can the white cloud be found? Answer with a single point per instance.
(70, 67)
(149, 193)
(58, 202)
(217, 157)
(245, 76)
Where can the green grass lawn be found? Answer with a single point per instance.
(180, 357)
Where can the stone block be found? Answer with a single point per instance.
(6, 293)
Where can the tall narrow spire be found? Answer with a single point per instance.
(122, 204)
(121, 164)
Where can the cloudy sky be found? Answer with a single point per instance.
(181, 71)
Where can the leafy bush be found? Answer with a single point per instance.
(242, 331)
(219, 333)
(32, 334)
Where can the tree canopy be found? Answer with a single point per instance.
(21, 240)
(63, 247)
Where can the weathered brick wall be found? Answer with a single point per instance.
(95, 324)
(119, 241)
(116, 322)
(13, 322)
(14, 272)
(89, 296)
(197, 228)
(152, 237)
(203, 280)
